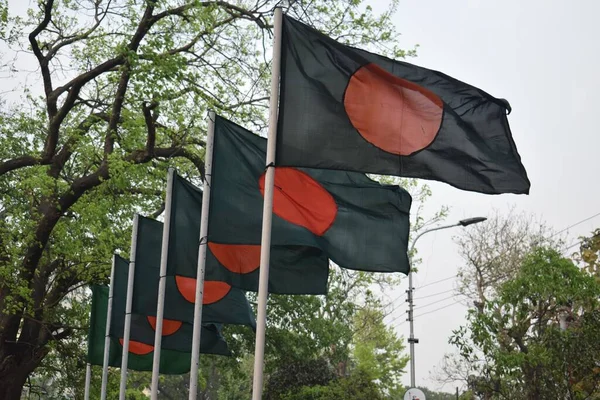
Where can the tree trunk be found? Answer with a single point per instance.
(17, 361)
(11, 385)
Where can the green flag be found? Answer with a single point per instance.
(294, 269)
(171, 362)
(222, 303)
(359, 223)
(347, 109)
(177, 334)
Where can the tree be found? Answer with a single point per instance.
(125, 85)
(515, 345)
(378, 352)
(493, 252)
(589, 253)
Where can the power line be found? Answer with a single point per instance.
(575, 224)
(454, 276)
(435, 302)
(433, 283)
(573, 245)
(395, 318)
(437, 309)
(399, 324)
(434, 294)
(422, 297)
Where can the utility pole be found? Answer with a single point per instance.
(411, 339)
(410, 299)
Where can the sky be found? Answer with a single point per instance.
(543, 57)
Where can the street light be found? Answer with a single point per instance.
(412, 340)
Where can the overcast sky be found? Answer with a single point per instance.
(543, 56)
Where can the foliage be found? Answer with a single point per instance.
(515, 346)
(589, 253)
(354, 341)
(378, 352)
(297, 374)
(493, 252)
(357, 386)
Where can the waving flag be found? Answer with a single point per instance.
(222, 302)
(140, 356)
(345, 108)
(358, 223)
(295, 269)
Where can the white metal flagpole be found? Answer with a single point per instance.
(160, 308)
(265, 244)
(107, 333)
(88, 380)
(208, 156)
(127, 330)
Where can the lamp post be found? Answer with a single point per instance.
(412, 340)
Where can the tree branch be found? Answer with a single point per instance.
(43, 61)
(75, 38)
(19, 162)
(150, 119)
(66, 151)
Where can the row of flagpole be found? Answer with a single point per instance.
(202, 249)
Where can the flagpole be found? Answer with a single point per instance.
(160, 308)
(128, 304)
(265, 244)
(88, 379)
(107, 332)
(208, 156)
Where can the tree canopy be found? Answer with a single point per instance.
(515, 346)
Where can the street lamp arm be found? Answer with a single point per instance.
(437, 228)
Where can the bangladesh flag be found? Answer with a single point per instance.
(294, 269)
(348, 109)
(222, 303)
(171, 362)
(359, 223)
(177, 334)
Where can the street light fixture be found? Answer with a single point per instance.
(412, 340)
(470, 221)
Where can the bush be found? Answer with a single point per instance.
(357, 386)
(298, 374)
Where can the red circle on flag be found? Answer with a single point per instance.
(138, 348)
(213, 290)
(237, 258)
(391, 113)
(301, 200)
(170, 326)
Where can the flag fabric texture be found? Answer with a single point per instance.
(345, 108)
(359, 223)
(171, 362)
(293, 269)
(222, 303)
(177, 334)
